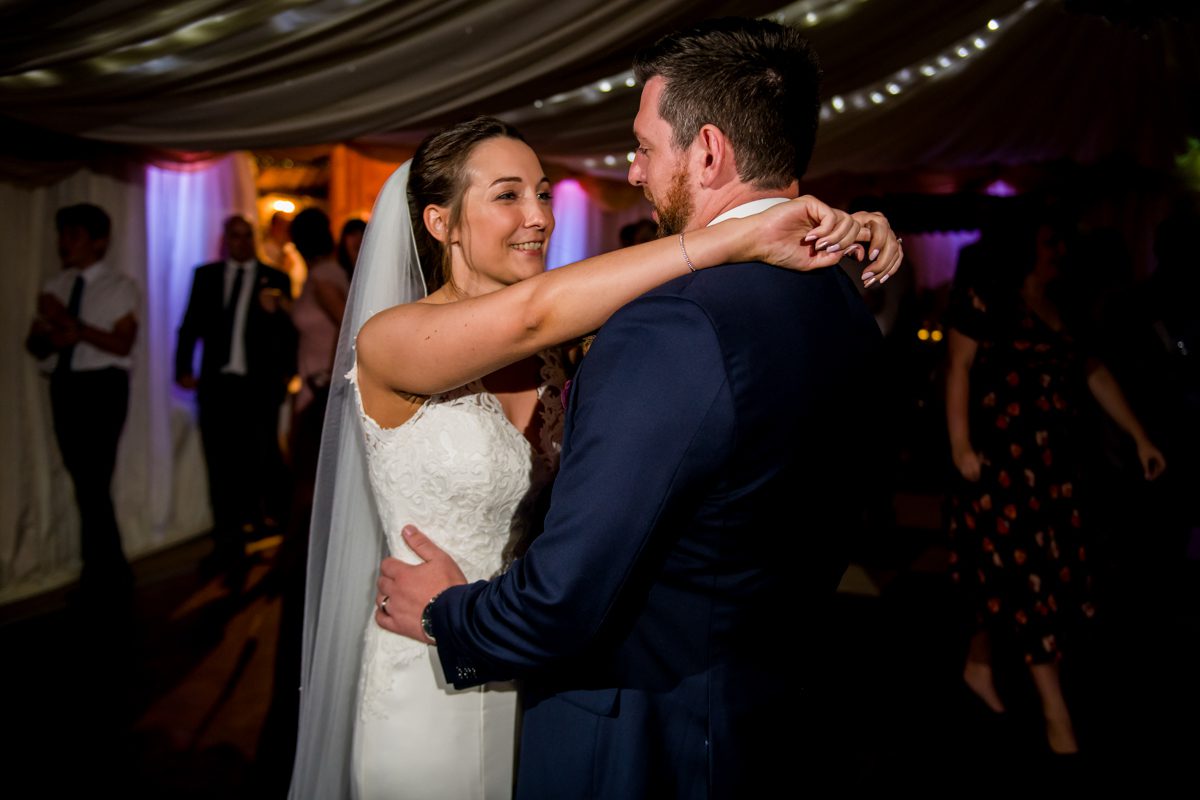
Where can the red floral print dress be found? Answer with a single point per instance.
(1016, 544)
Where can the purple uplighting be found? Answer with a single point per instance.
(1001, 188)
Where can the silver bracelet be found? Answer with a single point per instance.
(683, 250)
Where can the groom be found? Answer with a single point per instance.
(662, 623)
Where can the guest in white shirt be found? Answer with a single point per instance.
(239, 308)
(83, 334)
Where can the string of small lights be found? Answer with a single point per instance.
(803, 14)
(946, 61)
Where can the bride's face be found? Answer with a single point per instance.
(506, 220)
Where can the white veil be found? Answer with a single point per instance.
(346, 540)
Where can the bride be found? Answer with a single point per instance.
(450, 418)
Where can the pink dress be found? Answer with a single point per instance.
(317, 332)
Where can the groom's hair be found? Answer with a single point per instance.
(438, 177)
(757, 81)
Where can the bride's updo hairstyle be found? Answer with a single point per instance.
(439, 177)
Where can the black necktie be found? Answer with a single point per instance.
(73, 303)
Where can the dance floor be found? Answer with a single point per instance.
(173, 698)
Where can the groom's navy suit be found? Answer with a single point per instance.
(663, 619)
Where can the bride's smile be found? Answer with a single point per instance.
(505, 219)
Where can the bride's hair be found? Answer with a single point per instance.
(439, 177)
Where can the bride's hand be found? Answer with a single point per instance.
(805, 234)
(883, 251)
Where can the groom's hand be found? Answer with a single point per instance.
(409, 587)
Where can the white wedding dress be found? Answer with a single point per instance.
(463, 474)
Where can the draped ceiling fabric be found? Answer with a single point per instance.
(1057, 85)
(214, 74)
(228, 74)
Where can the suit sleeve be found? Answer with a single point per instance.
(649, 423)
(271, 337)
(189, 331)
(285, 334)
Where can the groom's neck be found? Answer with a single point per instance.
(712, 203)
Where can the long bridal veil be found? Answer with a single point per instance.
(346, 538)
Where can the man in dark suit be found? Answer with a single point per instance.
(664, 620)
(239, 308)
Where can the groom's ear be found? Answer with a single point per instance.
(714, 163)
(437, 222)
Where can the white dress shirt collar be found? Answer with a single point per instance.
(91, 271)
(750, 209)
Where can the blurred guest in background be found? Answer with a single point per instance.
(644, 230)
(1170, 305)
(1166, 311)
(277, 239)
(349, 243)
(1153, 336)
(317, 316)
(279, 251)
(1014, 390)
(83, 333)
(318, 311)
(239, 308)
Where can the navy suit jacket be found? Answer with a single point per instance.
(661, 622)
(270, 339)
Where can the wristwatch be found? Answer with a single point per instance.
(426, 619)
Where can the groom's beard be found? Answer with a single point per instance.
(675, 207)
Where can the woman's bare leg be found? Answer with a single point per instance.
(977, 673)
(1060, 734)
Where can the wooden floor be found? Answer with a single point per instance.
(173, 697)
(166, 699)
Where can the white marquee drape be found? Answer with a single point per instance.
(39, 527)
(184, 215)
(164, 223)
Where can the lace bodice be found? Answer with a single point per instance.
(464, 475)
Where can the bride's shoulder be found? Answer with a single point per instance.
(388, 331)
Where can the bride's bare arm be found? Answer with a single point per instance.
(423, 349)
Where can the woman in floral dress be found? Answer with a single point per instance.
(1014, 390)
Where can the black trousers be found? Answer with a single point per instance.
(89, 409)
(247, 480)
